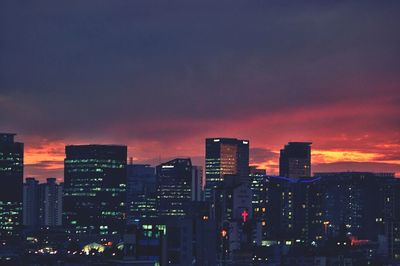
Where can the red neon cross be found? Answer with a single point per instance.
(244, 215)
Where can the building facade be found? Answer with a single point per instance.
(95, 189)
(141, 192)
(225, 156)
(42, 203)
(295, 160)
(11, 176)
(174, 187)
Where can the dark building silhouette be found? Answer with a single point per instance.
(32, 214)
(187, 240)
(42, 203)
(144, 244)
(295, 160)
(174, 187)
(294, 209)
(141, 191)
(225, 156)
(95, 189)
(11, 177)
(366, 203)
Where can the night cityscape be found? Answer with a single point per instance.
(208, 133)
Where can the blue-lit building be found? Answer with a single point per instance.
(11, 178)
(95, 189)
(225, 156)
(174, 187)
(141, 192)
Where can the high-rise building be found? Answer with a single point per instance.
(95, 189)
(11, 178)
(174, 187)
(42, 204)
(294, 209)
(259, 187)
(295, 160)
(225, 156)
(52, 195)
(31, 205)
(364, 202)
(141, 192)
(197, 186)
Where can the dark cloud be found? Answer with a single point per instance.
(88, 65)
(166, 75)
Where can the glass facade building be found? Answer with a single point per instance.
(11, 176)
(141, 192)
(225, 156)
(174, 187)
(295, 160)
(95, 189)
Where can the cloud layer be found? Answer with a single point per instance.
(162, 76)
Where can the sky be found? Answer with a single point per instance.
(161, 76)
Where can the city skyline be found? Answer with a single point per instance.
(352, 161)
(207, 133)
(162, 78)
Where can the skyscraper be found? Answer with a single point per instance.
(42, 205)
(141, 191)
(95, 189)
(52, 196)
(11, 178)
(225, 156)
(295, 160)
(30, 206)
(174, 187)
(197, 186)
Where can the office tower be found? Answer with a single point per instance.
(42, 204)
(11, 178)
(174, 187)
(197, 184)
(294, 209)
(95, 189)
(259, 187)
(141, 192)
(364, 202)
(225, 156)
(295, 160)
(390, 197)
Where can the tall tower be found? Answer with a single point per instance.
(52, 202)
(225, 156)
(42, 205)
(31, 203)
(140, 192)
(11, 178)
(174, 187)
(95, 189)
(295, 160)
